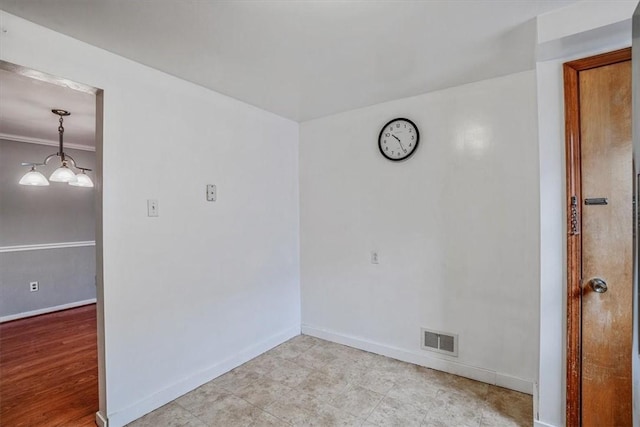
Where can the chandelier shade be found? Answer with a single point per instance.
(63, 173)
(82, 179)
(34, 178)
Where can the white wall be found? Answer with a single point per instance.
(601, 27)
(456, 227)
(204, 286)
(551, 384)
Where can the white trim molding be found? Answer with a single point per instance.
(426, 360)
(41, 246)
(101, 420)
(541, 424)
(32, 313)
(40, 141)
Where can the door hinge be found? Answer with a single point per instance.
(574, 216)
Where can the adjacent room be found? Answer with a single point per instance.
(48, 329)
(319, 213)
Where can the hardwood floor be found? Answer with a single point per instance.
(49, 370)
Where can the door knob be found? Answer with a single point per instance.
(598, 285)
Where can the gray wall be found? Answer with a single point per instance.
(33, 215)
(36, 215)
(64, 275)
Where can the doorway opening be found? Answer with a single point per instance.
(51, 305)
(599, 203)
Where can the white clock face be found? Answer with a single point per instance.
(398, 139)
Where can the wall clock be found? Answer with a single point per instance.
(398, 139)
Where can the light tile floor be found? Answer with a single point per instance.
(310, 382)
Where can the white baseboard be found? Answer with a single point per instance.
(162, 397)
(541, 424)
(46, 310)
(514, 383)
(101, 421)
(426, 360)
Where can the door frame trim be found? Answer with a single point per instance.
(574, 213)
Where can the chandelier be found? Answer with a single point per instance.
(63, 173)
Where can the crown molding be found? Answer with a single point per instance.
(40, 141)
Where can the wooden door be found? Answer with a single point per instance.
(602, 168)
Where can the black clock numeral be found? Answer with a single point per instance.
(397, 125)
(386, 148)
(412, 137)
(387, 135)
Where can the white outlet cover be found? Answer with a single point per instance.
(152, 207)
(211, 193)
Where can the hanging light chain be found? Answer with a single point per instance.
(62, 173)
(60, 133)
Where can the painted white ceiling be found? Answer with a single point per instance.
(307, 59)
(25, 111)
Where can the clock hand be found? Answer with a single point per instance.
(399, 142)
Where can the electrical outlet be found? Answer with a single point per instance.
(375, 258)
(211, 193)
(152, 207)
(34, 287)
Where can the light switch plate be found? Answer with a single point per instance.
(152, 207)
(212, 193)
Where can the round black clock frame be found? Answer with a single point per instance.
(382, 132)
